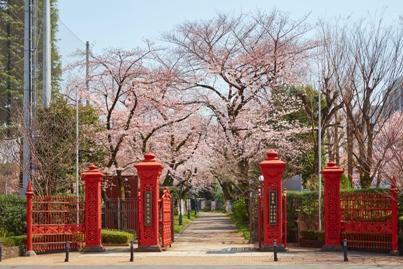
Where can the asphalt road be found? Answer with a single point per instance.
(280, 266)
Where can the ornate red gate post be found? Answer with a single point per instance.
(272, 169)
(149, 172)
(394, 207)
(332, 175)
(29, 194)
(93, 214)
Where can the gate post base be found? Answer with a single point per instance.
(93, 249)
(148, 249)
(331, 248)
(30, 253)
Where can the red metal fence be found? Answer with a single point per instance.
(166, 222)
(56, 220)
(369, 219)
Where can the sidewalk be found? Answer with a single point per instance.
(209, 240)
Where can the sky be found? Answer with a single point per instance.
(127, 23)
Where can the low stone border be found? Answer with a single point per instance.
(11, 252)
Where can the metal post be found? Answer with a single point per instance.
(87, 68)
(180, 211)
(66, 259)
(345, 250)
(46, 88)
(320, 159)
(131, 251)
(77, 158)
(189, 207)
(275, 250)
(27, 166)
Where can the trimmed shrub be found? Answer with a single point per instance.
(312, 235)
(11, 241)
(12, 215)
(116, 237)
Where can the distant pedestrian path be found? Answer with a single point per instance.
(211, 232)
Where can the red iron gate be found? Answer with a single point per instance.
(369, 219)
(166, 219)
(120, 214)
(56, 220)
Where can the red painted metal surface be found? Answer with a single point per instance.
(369, 219)
(332, 174)
(285, 218)
(166, 221)
(259, 218)
(149, 172)
(92, 178)
(56, 220)
(272, 169)
(29, 194)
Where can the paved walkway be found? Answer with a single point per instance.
(210, 233)
(212, 240)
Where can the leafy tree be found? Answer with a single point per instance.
(54, 145)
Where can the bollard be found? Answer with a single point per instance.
(131, 251)
(345, 250)
(66, 259)
(1, 252)
(275, 250)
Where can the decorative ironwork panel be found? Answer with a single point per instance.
(366, 218)
(55, 220)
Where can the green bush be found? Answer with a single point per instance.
(11, 241)
(115, 237)
(240, 211)
(12, 215)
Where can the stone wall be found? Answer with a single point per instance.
(10, 252)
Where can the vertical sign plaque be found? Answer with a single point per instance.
(273, 207)
(148, 208)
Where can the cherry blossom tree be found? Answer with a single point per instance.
(233, 67)
(388, 150)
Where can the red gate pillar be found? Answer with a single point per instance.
(29, 194)
(93, 211)
(394, 207)
(332, 175)
(149, 172)
(272, 169)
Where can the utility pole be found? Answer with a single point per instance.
(35, 40)
(87, 68)
(26, 163)
(320, 157)
(47, 66)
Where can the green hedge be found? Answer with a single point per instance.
(312, 235)
(12, 215)
(115, 237)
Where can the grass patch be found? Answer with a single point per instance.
(243, 227)
(185, 222)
